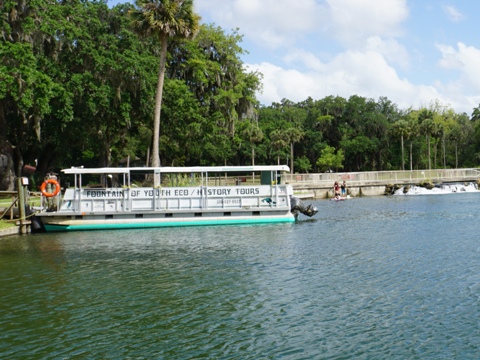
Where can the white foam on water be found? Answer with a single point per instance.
(439, 189)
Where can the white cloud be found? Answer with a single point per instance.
(350, 73)
(272, 23)
(280, 83)
(464, 89)
(391, 49)
(318, 48)
(280, 23)
(305, 59)
(354, 22)
(453, 14)
(465, 60)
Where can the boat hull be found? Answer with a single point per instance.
(106, 222)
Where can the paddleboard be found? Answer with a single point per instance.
(341, 198)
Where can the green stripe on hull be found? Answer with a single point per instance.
(145, 225)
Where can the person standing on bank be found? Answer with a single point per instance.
(336, 189)
(344, 188)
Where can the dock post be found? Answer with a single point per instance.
(22, 184)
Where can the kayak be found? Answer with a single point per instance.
(340, 198)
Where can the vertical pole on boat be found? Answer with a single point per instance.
(74, 192)
(275, 173)
(204, 198)
(202, 189)
(156, 199)
(79, 189)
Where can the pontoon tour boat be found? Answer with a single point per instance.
(121, 198)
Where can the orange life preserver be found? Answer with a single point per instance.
(44, 185)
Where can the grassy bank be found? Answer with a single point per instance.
(6, 224)
(4, 204)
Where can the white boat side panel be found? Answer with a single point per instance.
(201, 198)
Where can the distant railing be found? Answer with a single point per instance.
(357, 178)
(383, 177)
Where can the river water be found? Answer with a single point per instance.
(369, 278)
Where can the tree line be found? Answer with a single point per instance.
(362, 134)
(79, 85)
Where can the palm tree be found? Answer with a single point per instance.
(412, 133)
(278, 141)
(163, 19)
(459, 132)
(294, 135)
(476, 114)
(253, 134)
(427, 127)
(438, 134)
(401, 128)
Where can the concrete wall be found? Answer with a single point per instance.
(10, 231)
(327, 193)
(373, 183)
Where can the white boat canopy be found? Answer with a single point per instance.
(169, 170)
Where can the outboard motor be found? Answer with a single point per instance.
(36, 225)
(299, 206)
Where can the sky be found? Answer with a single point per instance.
(416, 52)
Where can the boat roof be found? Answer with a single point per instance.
(170, 169)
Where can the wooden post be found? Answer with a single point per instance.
(22, 183)
(21, 205)
(11, 207)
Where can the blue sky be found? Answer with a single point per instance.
(416, 53)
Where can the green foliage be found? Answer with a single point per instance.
(329, 160)
(4, 224)
(78, 87)
(302, 164)
(180, 180)
(163, 20)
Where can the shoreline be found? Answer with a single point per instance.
(15, 230)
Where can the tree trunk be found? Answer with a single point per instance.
(158, 107)
(19, 158)
(7, 176)
(444, 153)
(253, 162)
(45, 160)
(403, 157)
(411, 155)
(291, 158)
(456, 155)
(429, 158)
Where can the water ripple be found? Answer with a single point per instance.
(395, 278)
